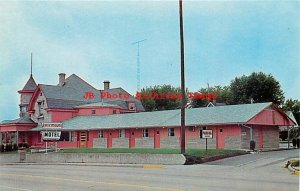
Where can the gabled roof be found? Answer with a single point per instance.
(231, 114)
(26, 119)
(30, 85)
(69, 95)
(292, 117)
(73, 89)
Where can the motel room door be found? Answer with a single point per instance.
(82, 139)
(220, 138)
(156, 138)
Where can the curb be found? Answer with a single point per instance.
(294, 171)
(158, 166)
(291, 168)
(274, 149)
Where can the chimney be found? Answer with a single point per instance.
(62, 77)
(106, 85)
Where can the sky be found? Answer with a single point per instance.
(223, 40)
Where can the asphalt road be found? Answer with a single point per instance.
(261, 171)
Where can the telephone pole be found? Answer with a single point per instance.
(183, 100)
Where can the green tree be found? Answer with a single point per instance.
(161, 97)
(294, 107)
(223, 96)
(257, 86)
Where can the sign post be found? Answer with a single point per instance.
(206, 134)
(51, 132)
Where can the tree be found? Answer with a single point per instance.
(223, 95)
(294, 107)
(258, 86)
(162, 97)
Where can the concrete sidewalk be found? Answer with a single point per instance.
(91, 164)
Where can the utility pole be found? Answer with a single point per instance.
(138, 77)
(183, 100)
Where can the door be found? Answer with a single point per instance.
(109, 139)
(220, 138)
(156, 139)
(83, 139)
(132, 140)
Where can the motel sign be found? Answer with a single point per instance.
(52, 131)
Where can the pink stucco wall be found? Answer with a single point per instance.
(98, 111)
(60, 115)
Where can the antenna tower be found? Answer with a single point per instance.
(138, 75)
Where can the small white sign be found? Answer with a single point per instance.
(207, 134)
(51, 135)
(52, 125)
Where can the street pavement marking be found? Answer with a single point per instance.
(15, 188)
(90, 181)
(153, 166)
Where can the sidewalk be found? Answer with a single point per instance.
(93, 164)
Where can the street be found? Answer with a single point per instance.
(260, 171)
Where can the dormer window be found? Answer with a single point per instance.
(39, 106)
(41, 94)
(131, 106)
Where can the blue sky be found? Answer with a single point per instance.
(94, 40)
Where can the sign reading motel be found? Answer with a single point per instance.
(51, 135)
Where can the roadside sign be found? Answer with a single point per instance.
(51, 135)
(207, 134)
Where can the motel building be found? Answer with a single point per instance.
(88, 120)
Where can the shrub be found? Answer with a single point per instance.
(8, 147)
(15, 147)
(283, 135)
(295, 163)
(24, 144)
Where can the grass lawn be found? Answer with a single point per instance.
(192, 152)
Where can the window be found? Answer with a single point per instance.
(122, 133)
(39, 106)
(64, 136)
(71, 136)
(171, 132)
(221, 130)
(192, 129)
(145, 132)
(114, 111)
(41, 94)
(93, 111)
(131, 106)
(100, 134)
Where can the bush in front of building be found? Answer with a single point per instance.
(283, 135)
(8, 147)
(14, 147)
(23, 145)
